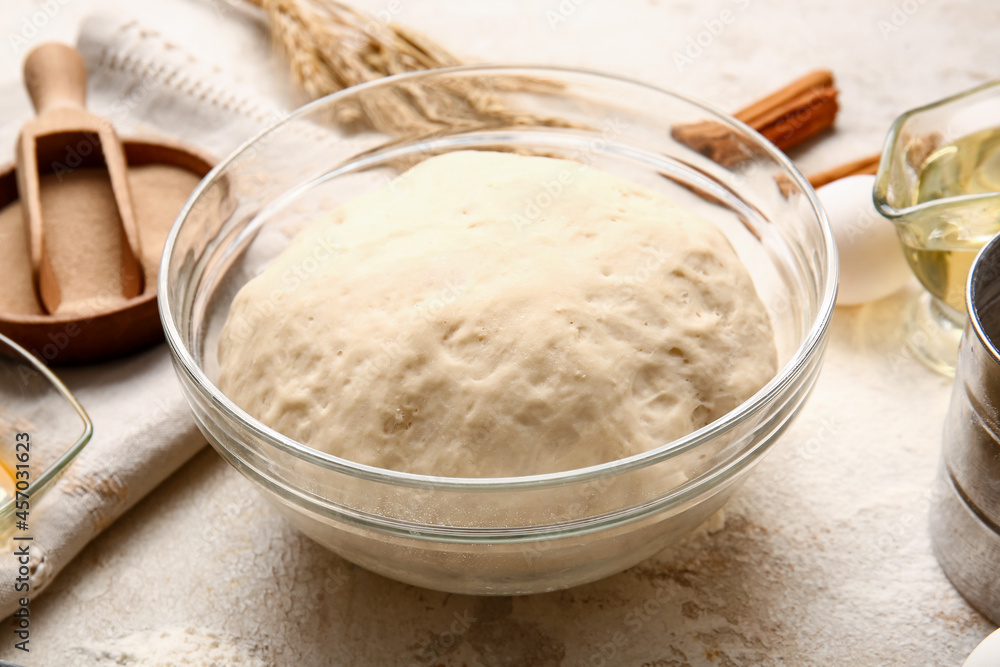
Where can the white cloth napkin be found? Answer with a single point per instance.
(143, 430)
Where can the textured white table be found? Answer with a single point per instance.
(822, 558)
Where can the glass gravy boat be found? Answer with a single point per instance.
(939, 183)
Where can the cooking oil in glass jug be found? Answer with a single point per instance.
(939, 182)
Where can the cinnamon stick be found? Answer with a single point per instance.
(865, 165)
(759, 113)
(800, 118)
(786, 117)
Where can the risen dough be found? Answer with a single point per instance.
(489, 314)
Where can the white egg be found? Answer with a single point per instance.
(987, 654)
(872, 265)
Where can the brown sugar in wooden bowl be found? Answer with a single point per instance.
(162, 175)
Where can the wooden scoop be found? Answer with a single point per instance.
(161, 176)
(103, 269)
(83, 220)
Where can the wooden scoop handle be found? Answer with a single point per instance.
(56, 77)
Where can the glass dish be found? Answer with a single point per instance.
(499, 535)
(34, 402)
(941, 237)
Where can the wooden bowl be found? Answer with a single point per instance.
(131, 326)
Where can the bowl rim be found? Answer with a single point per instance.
(812, 343)
(42, 482)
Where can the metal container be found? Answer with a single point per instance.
(965, 512)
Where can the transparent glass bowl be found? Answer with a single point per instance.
(499, 535)
(42, 427)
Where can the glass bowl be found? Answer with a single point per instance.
(42, 429)
(499, 535)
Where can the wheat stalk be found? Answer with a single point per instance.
(331, 46)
